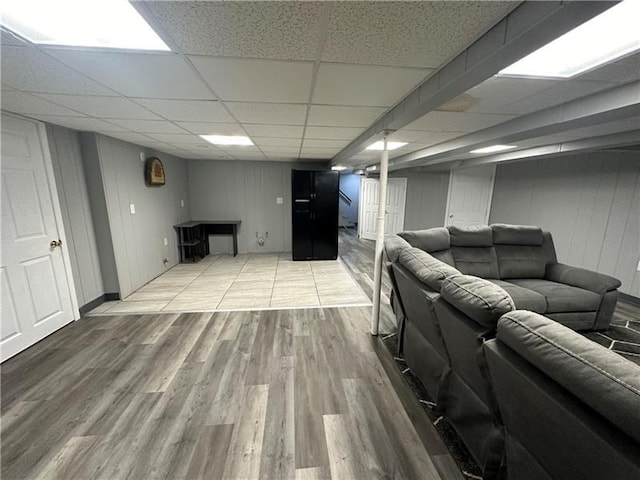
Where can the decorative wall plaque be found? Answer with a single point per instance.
(154, 173)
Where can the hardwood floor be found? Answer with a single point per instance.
(272, 394)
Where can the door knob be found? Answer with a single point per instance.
(55, 243)
(451, 216)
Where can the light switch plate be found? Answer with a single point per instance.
(165, 242)
(142, 159)
(182, 203)
(279, 200)
(132, 208)
(638, 268)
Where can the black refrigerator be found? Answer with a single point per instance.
(315, 214)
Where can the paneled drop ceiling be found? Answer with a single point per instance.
(302, 79)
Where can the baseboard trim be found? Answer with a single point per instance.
(625, 297)
(96, 302)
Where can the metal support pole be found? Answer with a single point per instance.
(382, 205)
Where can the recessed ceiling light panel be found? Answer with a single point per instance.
(80, 23)
(604, 38)
(494, 149)
(338, 168)
(227, 139)
(390, 145)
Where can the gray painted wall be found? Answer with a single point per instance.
(76, 213)
(137, 239)
(589, 202)
(350, 185)
(246, 191)
(426, 198)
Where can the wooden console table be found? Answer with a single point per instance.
(193, 236)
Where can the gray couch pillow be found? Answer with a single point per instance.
(479, 299)
(504, 234)
(602, 379)
(427, 269)
(521, 261)
(472, 236)
(393, 244)
(430, 240)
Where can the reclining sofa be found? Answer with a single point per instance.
(446, 313)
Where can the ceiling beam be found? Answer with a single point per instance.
(529, 26)
(613, 104)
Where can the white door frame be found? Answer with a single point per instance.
(57, 211)
(493, 182)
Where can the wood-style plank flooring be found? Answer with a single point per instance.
(273, 394)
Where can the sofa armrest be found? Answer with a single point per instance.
(581, 278)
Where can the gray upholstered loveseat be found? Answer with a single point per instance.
(522, 261)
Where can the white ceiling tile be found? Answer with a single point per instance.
(279, 131)
(326, 151)
(333, 133)
(622, 71)
(187, 110)
(20, 102)
(330, 116)
(282, 30)
(83, 124)
(558, 93)
(148, 126)
(212, 128)
(149, 75)
(364, 85)
(103, 107)
(416, 34)
(269, 113)
(275, 150)
(25, 68)
(319, 143)
(312, 155)
(257, 80)
(276, 142)
(135, 138)
(275, 157)
(176, 138)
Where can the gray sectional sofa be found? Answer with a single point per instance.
(447, 312)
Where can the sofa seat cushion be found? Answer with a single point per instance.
(427, 269)
(523, 298)
(560, 297)
(481, 300)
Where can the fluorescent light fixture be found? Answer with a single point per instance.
(80, 23)
(338, 168)
(227, 139)
(493, 149)
(610, 35)
(372, 168)
(390, 145)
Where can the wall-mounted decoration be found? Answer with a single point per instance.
(154, 171)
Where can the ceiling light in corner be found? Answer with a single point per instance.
(338, 168)
(81, 23)
(494, 149)
(390, 145)
(610, 35)
(372, 168)
(227, 139)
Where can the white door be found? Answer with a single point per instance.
(36, 282)
(470, 192)
(369, 198)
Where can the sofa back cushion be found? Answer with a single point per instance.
(472, 236)
(477, 261)
(393, 245)
(607, 382)
(482, 301)
(433, 240)
(426, 268)
(520, 251)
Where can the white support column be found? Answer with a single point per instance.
(382, 205)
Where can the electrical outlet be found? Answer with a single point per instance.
(279, 200)
(165, 242)
(132, 208)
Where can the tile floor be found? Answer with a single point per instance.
(249, 281)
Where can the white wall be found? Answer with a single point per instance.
(76, 213)
(245, 191)
(589, 202)
(137, 239)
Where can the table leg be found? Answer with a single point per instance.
(235, 240)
